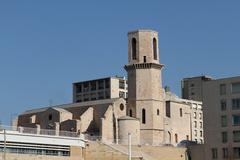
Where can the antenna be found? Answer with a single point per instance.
(50, 102)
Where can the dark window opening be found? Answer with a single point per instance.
(180, 112)
(168, 109)
(143, 116)
(144, 59)
(155, 48)
(134, 49)
(50, 117)
(158, 112)
(130, 113)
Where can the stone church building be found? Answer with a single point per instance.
(152, 115)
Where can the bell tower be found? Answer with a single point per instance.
(145, 92)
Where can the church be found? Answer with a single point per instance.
(153, 115)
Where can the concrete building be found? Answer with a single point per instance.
(192, 88)
(221, 101)
(20, 143)
(97, 89)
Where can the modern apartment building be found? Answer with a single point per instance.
(192, 87)
(20, 143)
(97, 89)
(221, 108)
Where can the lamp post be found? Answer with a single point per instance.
(129, 146)
(4, 147)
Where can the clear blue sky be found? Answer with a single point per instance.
(46, 45)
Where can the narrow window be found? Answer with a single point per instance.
(180, 112)
(155, 48)
(50, 117)
(144, 59)
(130, 112)
(143, 116)
(134, 48)
(176, 138)
(158, 112)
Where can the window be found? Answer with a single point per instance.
(121, 107)
(201, 133)
(144, 59)
(195, 115)
(224, 121)
(236, 136)
(158, 112)
(107, 83)
(168, 109)
(225, 153)
(214, 153)
(187, 137)
(236, 152)
(192, 85)
(155, 48)
(201, 125)
(86, 87)
(93, 85)
(93, 96)
(236, 120)
(200, 115)
(86, 97)
(107, 94)
(130, 112)
(180, 110)
(143, 116)
(50, 117)
(121, 84)
(176, 138)
(222, 89)
(223, 105)
(196, 141)
(100, 84)
(195, 124)
(236, 103)
(134, 49)
(236, 87)
(100, 95)
(121, 94)
(201, 141)
(195, 133)
(224, 137)
(79, 88)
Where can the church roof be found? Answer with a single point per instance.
(72, 105)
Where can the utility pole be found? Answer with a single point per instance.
(129, 146)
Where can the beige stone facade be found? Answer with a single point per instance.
(152, 116)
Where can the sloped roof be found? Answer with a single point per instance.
(72, 105)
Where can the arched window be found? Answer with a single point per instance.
(169, 137)
(176, 138)
(180, 112)
(130, 112)
(134, 48)
(158, 112)
(143, 116)
(155, 48)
